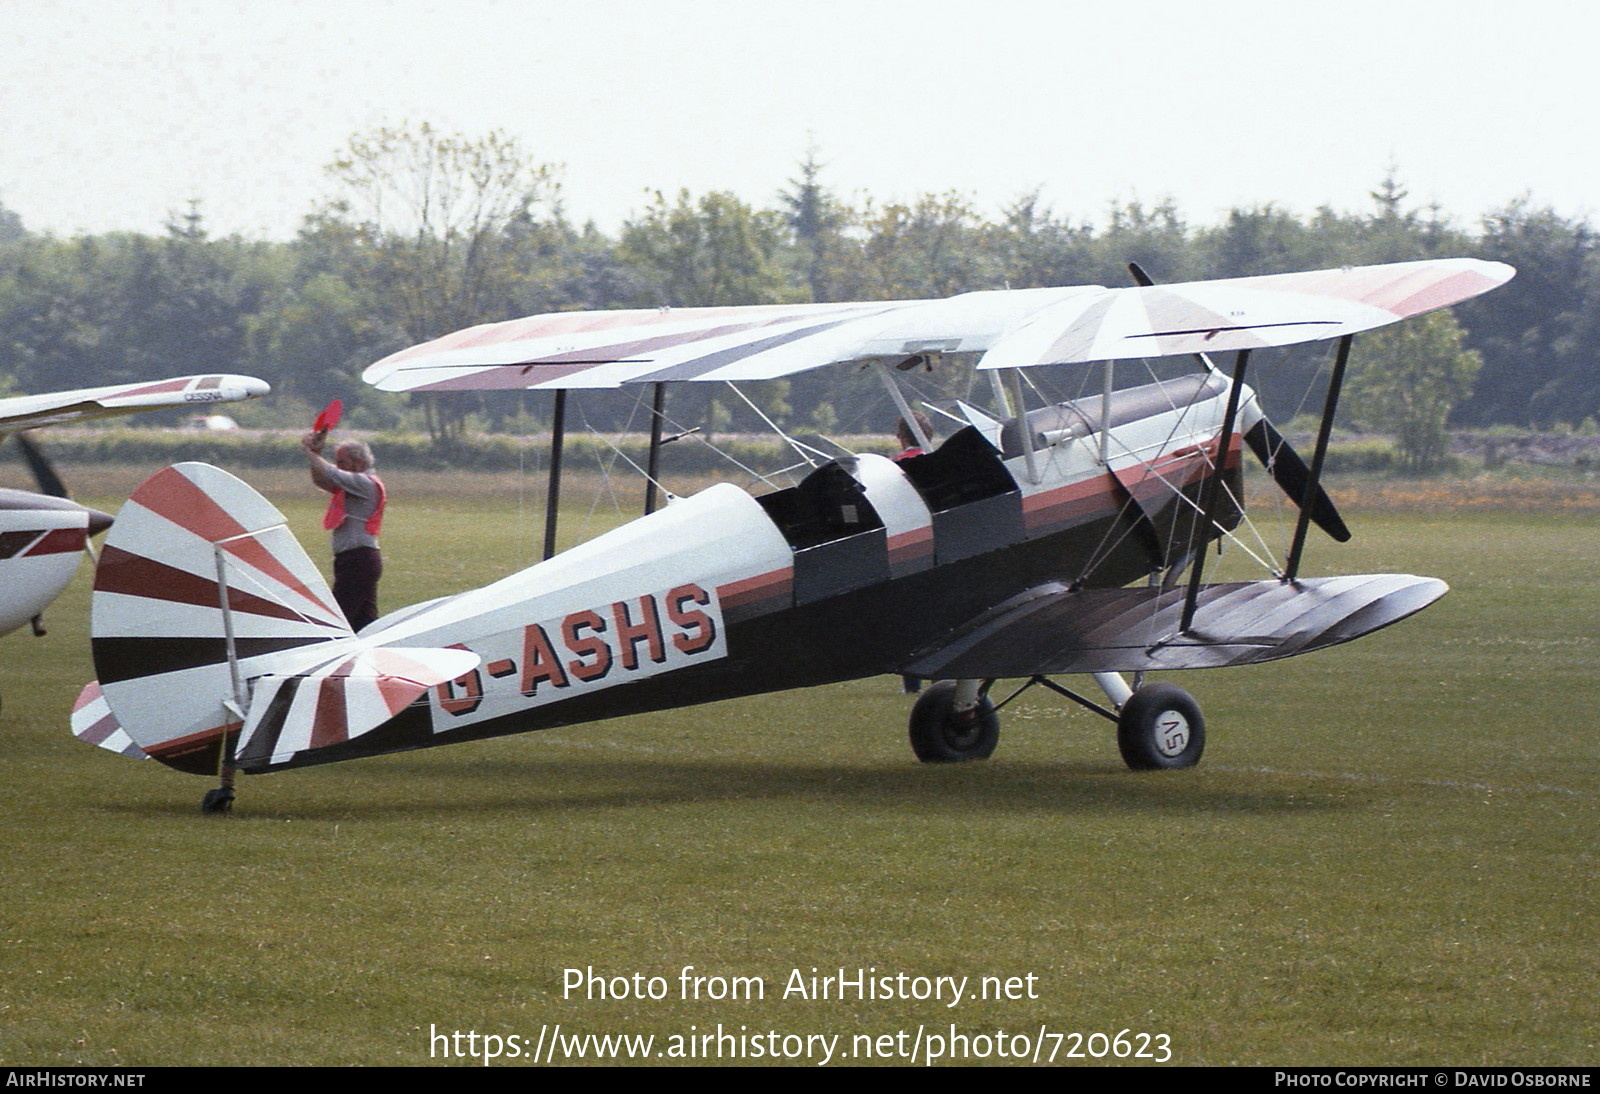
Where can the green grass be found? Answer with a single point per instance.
(1388, 855)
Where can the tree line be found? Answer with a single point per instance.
(423, 232)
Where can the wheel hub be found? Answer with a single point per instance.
(1172, 733)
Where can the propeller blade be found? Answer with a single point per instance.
(43, 474)
(1280, 459)
(1290, 472)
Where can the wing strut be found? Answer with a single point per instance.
(558, 433)
(1324, 431)
(652, 489)
(899, 397)
(1241, 362)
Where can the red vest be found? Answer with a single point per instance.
(335, 514)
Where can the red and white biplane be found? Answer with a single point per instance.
(1034, 541)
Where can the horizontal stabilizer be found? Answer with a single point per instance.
(1053, 630)
(340, 700)
(93, 723)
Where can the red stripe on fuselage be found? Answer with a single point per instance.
(1096, 495)
(909, 546)
(59, 541)
(767, 586)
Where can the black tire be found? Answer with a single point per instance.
(1160, 727)
(938, 736)
(218, 802)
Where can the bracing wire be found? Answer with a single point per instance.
(802, 449)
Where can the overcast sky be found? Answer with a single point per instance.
(114, 114)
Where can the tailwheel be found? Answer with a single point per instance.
(219, 802)
(1159, 727)
(953, 721)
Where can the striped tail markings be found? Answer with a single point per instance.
(340, 700)
(201, 588)
(93, 723)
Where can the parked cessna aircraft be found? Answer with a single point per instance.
(42, 535)
(1006, 552)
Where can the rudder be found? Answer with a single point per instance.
(198, 563)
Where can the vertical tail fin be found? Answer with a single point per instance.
(197, 566)
(212, 630)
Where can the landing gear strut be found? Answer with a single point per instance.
(1159, 726)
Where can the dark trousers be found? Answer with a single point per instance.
(355, 584)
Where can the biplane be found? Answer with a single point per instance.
(1035, 541)
(42, 535)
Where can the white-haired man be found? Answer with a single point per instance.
(354, 517)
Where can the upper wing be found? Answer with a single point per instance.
(1242, 313)
(1011, 328)
(31, 411)
(757, 342)
(1053, 630)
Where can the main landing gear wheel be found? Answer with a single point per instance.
(939, 734)
(1160, 727)
(218, 801)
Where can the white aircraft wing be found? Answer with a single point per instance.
(31, 411)
(758, 342)
(1241, 313)
(1011, 328)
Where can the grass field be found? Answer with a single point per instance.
(1388, 855)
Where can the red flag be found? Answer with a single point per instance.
(329, 417)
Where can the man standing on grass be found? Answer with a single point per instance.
(355, 514)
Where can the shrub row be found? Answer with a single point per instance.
(411, 451)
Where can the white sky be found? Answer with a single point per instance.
(114, 113)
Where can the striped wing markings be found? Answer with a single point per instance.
(93, 723)
(547, 348)
(1249, 312)
(683, 356)
(588, 330)
(171, 495)
(149, 389)
(707, 360)
(642, 354)
(1402, 289)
